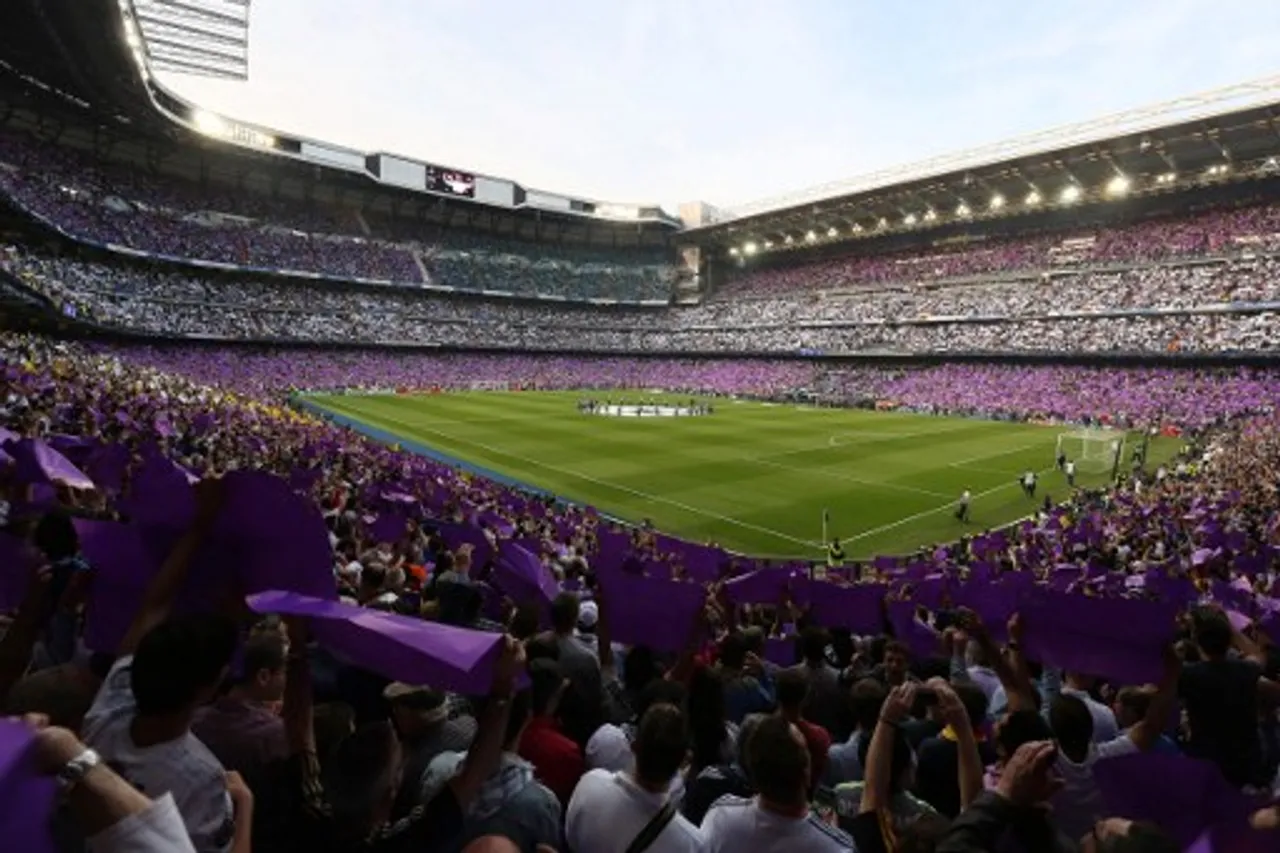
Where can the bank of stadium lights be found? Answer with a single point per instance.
(811, 236)
(1033, 198)
(832, 232)
(1166, 179)
(882, 222)
(790, 240)
(750, 248)
(1070, 194)
(768, 244)
(856, 229)
(1118, 186)
(997, 202)
(909, 219)
(930, 215)
(1217, 171)
(733, 250)
(962, 210)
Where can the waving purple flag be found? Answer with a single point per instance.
(917, 636)
(397, 647)
(28, 797)
(857, 607)
(17, 559)
(649, 611)
(160, 493)
(1120, 639)
(122, 567)
(39, 463)
(522, 576)
(763, 586)
(457, 535)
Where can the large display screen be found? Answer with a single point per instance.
(450, 182)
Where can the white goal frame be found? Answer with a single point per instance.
(1094, 451)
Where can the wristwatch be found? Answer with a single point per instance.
(76, 769)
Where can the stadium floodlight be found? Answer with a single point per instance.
(831, 232)
(883, 223)
(930, 215)
(811, 236)
(909, 219)
(790, 240)
(962, 209)
(210, 124)
(768, 244)
(856, 229)
(1118, 186)
(749, 248)
(1167, 178)
(1070, 194)
(997, 202)
(1033, 198)
(733, 250)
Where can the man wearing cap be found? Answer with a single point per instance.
(422, 719)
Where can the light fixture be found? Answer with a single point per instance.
(790, 240)
(930, 215)
(210, 124)
(1118, 186)
(733, 250)
(909, 219)
(1033, 198)
(997, 202)
(1070, 194)
(831, 232)
(962, 209)
(749, 248)
(811, 236)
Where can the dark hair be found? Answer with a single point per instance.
(1072, 726)
(792, 688)
(813, 644)
(1019, 727)
(902, 756)
(778, 761)
(333, 722)
(639, 668)
(541, 646)
(524, 624)
(975, 702)
(733, 650)
(660, 691)
(1213, 633)
(706, 718)
(55, 536)
(178, 659)
(866, 698)
(564, 612)
(661, 743)
(360, 774)
(895, 647)
(1142, 837)
(262, 651)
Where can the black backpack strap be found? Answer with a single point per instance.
(649, 834)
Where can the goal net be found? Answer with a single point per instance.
(488, 385)
(1093, 450)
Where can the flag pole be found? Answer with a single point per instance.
(826, 515)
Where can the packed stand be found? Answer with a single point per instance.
(1216, 232)
(164, 301)
(430, 661)
(615, 692)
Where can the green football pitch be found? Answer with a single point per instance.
(752, 477)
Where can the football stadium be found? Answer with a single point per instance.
(354, 500)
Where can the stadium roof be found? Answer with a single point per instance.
(1225, 135)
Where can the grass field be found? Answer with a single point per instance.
(752, 477)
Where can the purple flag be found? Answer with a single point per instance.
(763, 586)
(388, 527)
(857, 607)
(522, 576)
(917, 636)
(780, 651)
(397, 647)
(29, 798)
(17, 559)
(649, 611)
(122, 568)
(39, 463)
(1119, 639)
(160, 494)
(457, 535)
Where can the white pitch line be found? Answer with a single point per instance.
(837, 475)
(656, 498)
(949, 505)
(994, 455)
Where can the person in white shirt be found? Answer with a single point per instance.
(1070, 470)
(962, 509)
(610, 810)
(778, 819)
(140, 721)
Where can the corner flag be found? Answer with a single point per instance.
(826, 522)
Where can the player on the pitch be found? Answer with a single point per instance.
(1028, 483)
(962, 508)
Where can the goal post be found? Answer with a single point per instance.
(1095, 451)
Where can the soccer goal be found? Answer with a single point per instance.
(1093, 450)
(488, 385)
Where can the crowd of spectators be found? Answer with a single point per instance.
(1192, 308)
(106, 203)
(428, 660)
(1214, 232)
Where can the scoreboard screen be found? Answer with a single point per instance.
(450, 182)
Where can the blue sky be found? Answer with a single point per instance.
(725, 101)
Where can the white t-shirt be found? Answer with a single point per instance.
(156, 829)
(608, 810)
(181, 767)
(1078, 806)
(734, 824)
